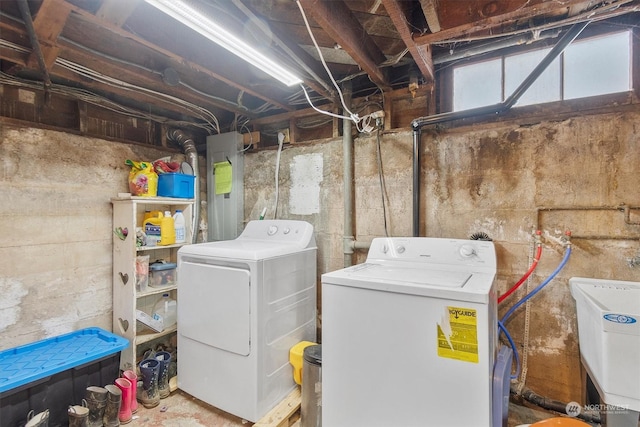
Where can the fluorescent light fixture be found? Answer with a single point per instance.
(187, 14)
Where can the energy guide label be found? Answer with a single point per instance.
(458, 334)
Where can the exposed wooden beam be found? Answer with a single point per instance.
(129, 74)
(49, 23)
(494, 22)
(421, 53)
(116, 12)
(82, 14)
(338, 21)
(430, 10)
(299, 55)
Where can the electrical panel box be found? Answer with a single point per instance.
(225, 186)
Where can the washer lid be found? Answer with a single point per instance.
(417, 276)
(414, 279)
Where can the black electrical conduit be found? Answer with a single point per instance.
(419, 123)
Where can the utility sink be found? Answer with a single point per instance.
(609, 333)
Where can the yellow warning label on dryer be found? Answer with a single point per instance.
(458, 334)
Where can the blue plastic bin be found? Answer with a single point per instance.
(176, 185)
(54, 373)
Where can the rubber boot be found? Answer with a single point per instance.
(111, 411)
(133, 379)
(96, 402)
(40, 419)
(164, 357)
(125, 386)
(148, 393)
(78, 416)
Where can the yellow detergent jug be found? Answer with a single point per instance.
(160, 230)
(152, 214)
(167, 230)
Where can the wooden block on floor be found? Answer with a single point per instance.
(285, 414)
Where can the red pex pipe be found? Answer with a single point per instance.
(533, 266)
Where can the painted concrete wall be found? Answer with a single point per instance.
(55, 228)
(505, 180)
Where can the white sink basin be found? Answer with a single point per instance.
(609, 333)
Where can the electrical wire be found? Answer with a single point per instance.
(564, 261)
(352, 116)
(533, 266)
(383, 189)
(280, 142)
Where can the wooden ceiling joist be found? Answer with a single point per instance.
(421, 53)
(338, 21)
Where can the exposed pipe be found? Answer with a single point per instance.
(526, 275)
(33, 37)
(419, 123)
(492, 46)
(347, 172)
(554, 405)
(191, 153)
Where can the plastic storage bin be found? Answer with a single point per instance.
(176, 185)
(54, 373)
(295, 359)
(162, 274)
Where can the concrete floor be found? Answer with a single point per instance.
(183, 410)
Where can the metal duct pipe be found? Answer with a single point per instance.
(419, 123)
(191, 153)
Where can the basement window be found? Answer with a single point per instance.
(589, 67)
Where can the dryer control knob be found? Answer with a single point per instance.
(272, 230)
(467, 251)
(384, 249)
(400, 249)
(286, 230)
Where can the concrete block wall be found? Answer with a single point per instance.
(503, 179)
(56, 230)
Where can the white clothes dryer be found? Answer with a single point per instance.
(242, 304)
(409, 338)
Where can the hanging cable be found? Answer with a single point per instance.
(280, 142)
(383, 189)
(564, 261)
(533, 266)
(352, 116)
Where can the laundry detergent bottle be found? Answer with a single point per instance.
(180, 226)
(167, 230)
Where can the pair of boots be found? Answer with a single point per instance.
(113, 404)
(155, 379)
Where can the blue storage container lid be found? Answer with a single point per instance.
(27, 363)
(158, 266)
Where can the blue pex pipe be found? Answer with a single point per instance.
(564, 261)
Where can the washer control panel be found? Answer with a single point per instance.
(433, 251)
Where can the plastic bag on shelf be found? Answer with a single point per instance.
(143, 180)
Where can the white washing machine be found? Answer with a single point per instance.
(242, 304)
(409, 338)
